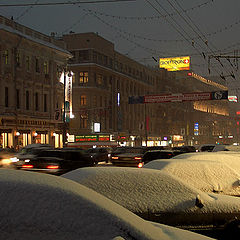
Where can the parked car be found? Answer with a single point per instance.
(58, 161)
(42, 206)
(128, 157)
(100, 154)
(157, 154)
(184, 149)
(209, 175)
(160, 197)
(205, 147)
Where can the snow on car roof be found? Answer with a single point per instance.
(149, 190)
(232, 159)
(40, 206)
(208, 176)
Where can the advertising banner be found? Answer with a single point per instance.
(175, 64)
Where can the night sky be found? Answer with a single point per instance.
(147, 29)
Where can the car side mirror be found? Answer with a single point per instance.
(199, 202)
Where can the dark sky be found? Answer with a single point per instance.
(143, 29)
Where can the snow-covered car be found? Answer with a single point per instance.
(41, 206)
(208, 176)
(159, 197)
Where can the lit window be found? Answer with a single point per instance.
(46, 67)
(6, 57)
(99, 79)
(83, 100)
(28, 63)
(83, 77)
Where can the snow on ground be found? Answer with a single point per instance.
(208, 176)
(45, 207)
(149, 192)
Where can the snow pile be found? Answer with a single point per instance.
(45, 207)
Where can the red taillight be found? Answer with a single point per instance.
(140, 165)
(138, 158)
(114, 157)
(27, 166)
(53, 167)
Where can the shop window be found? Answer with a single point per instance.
(83, 100)
(83, 77)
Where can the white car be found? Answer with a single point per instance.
(160, 197)
(37, 206)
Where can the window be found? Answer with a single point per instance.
(83, 77)
(27, 100)
(45, 103)
(46, 67)
(27, 63)
(99, 79)
(37, 68)
(18, 98)
(6, 57)
(83, 100)
(94, 101)
(83, 121)
(36, 102)
(6, 96)
(18, 59)
(83, 55)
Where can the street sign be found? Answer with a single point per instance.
(179, 97)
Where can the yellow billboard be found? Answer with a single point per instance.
(175, 64)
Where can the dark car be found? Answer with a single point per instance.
(100, 154)
(184, 149)
(157, 154)
(58, 161)
(128, 156)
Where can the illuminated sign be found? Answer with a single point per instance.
(93, 138)
(96, 127)
(87, 138)
(232, 98)
(175, 64)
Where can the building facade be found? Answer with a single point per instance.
(104, 80)
(31, 95)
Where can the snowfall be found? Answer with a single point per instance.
(45, 207)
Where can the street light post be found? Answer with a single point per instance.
(64, 110)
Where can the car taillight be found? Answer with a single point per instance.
(27, 166)
(53, 167)
(140, 165)
(114, 157)
(138, 158)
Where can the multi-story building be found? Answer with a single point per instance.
(103, 81)
(31, 94)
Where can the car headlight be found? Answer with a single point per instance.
(6, 161)
(14, 159)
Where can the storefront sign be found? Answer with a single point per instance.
(93, 138)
